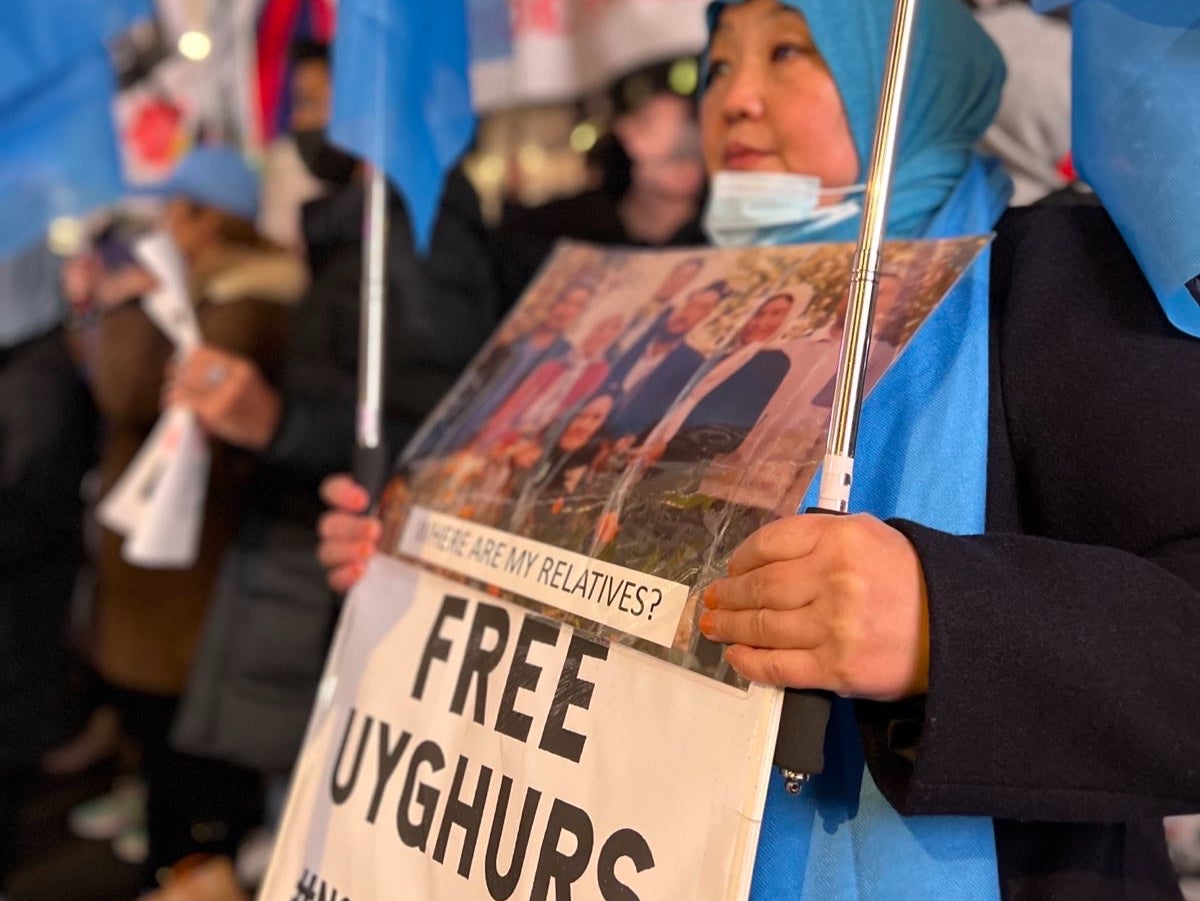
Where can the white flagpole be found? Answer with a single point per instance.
(371, 455)
(800, 746)
(838, 475)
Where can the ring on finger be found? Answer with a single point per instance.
(215, 374)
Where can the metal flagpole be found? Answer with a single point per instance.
(800, 748)
(371, 460)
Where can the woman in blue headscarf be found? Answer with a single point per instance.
(789, 109)
(794, 88)
(1013, 617)
(1031, 685)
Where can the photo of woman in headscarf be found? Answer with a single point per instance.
(553, 503)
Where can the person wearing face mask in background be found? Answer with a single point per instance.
(288, 183)
(650, 186)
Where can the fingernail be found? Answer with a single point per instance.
(706, 623)
(710, 597)
(366, 550)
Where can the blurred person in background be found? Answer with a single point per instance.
(288, 183)
(440, 310)
(47, 443)
(651, 184)
(273, 613)
(148, 621)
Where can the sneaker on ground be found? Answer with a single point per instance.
(132, 846)
(254, 856)
(109, 815)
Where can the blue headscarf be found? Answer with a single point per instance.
(955, 80)
(922, 446)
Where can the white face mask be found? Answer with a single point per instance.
(745, 207)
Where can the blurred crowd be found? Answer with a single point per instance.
(201, 677)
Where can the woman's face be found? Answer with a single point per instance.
(586, 424)
(767, 319)
(602, 336)
(771, 104)
(192, 227)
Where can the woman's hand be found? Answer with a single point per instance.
(80, 277)
(827, 602)
(119, 286)
(229, 395)
(347, 535)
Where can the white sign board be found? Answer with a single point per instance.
(464, 748)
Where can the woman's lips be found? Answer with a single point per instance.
(740, 156)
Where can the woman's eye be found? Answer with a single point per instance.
(716, 68)
(789, 51)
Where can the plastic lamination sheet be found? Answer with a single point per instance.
(646, 411)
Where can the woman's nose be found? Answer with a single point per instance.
(743, 93)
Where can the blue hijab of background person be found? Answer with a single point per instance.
(922, 447)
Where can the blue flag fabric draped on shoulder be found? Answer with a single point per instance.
(922, 448)
(1136, 135)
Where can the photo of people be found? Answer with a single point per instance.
(652, 409)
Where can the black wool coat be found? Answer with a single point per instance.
(1064, 693)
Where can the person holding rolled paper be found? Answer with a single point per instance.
(232, 289)
(1011, 612)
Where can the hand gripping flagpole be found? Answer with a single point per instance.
(799, 751)
(370, 453)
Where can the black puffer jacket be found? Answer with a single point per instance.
(440, 310)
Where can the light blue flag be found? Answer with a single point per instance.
(58, 151)
(40, 38)
(401, 95)
(1136, 134)
(58, 148)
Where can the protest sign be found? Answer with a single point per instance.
(468, 749)
(523, 662)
